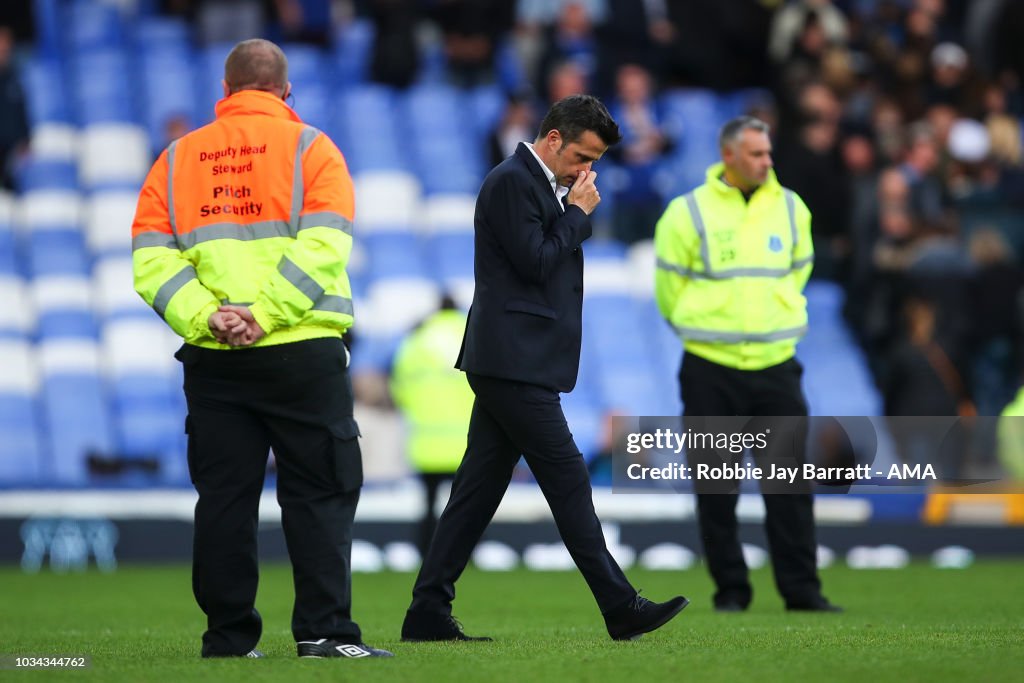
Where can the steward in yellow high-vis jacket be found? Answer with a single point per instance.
(731, 271)
(733, 257)
(240, 242)
(436, 401)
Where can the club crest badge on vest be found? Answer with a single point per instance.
(775, 243)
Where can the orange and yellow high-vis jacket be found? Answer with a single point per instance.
(253, 209)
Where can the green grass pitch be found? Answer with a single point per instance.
(914, 624)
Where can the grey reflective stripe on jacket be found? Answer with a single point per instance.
(728, 273)
(731, 337)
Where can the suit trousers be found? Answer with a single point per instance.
(297, 399)
(710, 389)
(511, 418)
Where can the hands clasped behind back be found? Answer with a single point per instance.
(235, 326)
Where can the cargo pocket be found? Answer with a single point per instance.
(190, 448)
(348, 460)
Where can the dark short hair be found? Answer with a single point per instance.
(256, 64)
(574, 115)
(734, 128)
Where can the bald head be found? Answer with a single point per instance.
(256, 64)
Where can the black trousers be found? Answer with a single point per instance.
(709, 389)
(510, 418)
(297, 399)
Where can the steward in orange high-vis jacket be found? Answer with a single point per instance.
(240, 242)
(255, 208)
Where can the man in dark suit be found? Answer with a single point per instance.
(521, 349)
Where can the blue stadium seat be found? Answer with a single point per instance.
(313, 105)
(209, 72)
(77, 420)
(48, 21)
(394, 255)
(451, 255)
(665, 347)
(165, 78)
(57, 252)
(20, 450)
(433, 65)
(8, 252)
(374, 353)
(64, 310)
(368, 106)
(149, 429)
(445, 165)
(37, 174)
(687, 173)
(604, 249)
(433, 110)
(17, 316)
(450, 178)
(368, 155)
(511, 74)
(739, 102)
(141, 381)
(352, 45)
(101, 94)
(306, 65)
(364, 119)
(92, 25)
(45, 92)
(147, 418)
(162, 33)
(695, 107)
(487, 102)
(613, 322)
(76, 324)
(824, 300)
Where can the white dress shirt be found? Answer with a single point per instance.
(559, 191)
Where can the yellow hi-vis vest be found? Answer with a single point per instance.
(433, 395)
(730, 273)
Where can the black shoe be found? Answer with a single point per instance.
(818, 604)
(327, 647)
(730, 606)
(640, 616)
(422, 626)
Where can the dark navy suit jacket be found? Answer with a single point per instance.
(525, 323)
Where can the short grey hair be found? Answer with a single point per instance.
(734, 128)
(256, 64)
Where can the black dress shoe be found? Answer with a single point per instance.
(819, 604)
(640, 616)
(420, 626)
(328, 647)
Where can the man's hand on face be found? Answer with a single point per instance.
(584, 192)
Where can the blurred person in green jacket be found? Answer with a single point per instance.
(1010, 437)
(436, 401)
